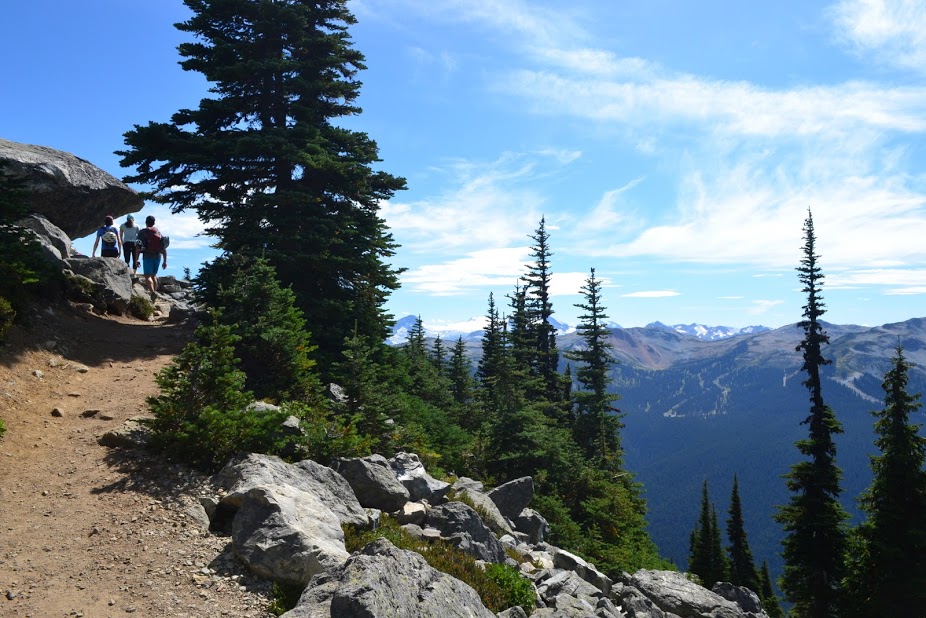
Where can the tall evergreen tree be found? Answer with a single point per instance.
(889, 575)
(742, 566)
(493, 346)
(597, 425)
(461, 379)
(814, 521)
(439, 355)
(266, 161)
(540, 309)
(769, 599)
(706, 559)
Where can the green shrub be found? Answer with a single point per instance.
(326, 435)
(141, 307)
(200, 414)
(7, 315)
(499, 586)
(2, 428)
(274, 346)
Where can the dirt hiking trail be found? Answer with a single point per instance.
(90, 531)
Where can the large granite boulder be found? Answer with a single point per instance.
(383, 581)
(373, 482)
(409, 471)
(287, 535)
(489, 512)
(105, 282)
(463, 526)
(674, 593)
(513, 497)
(246, 472)
(70, 192)
(533, 524)
(55, 244)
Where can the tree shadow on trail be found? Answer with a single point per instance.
(94, 340)
(145, 472)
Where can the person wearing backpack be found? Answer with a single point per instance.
(112, 246)
(153, 251)
(128, 234)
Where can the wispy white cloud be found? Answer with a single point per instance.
(479, 270)
(185, 230)
(652, 294)
(495, 204)
(759, 307)
(892, 30)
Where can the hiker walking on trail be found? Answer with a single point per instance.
(128, 234)
(153, 248)
(112, 246)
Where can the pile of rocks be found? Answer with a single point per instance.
(285, 521)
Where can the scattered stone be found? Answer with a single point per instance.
(56, 412)
(89, 413)
(38, 373)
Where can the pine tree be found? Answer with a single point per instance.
(439, 355)
(267, 163)
(706, 559)
(539, 307)
(742, 566)
(275, 348)
(889, 578)
(461, 379)
(769, 599)
(597, 426)
(814, 521)
(493, 347)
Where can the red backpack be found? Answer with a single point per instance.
(151, 240)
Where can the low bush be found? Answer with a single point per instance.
(498, 585)
(2, 428)
(201, 414)
(141, 307)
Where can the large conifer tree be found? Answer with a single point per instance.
(539, 307)
(742, 566)
(814, 521)
(706, 558)
(596, 426)
(889, 574)
(265, 162)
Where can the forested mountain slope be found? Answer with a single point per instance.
(697, 410)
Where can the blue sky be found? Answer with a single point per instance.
(673, 146)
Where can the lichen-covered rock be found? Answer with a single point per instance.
(513, 497)
(533, 524)
(110, 282)
(462, 525)
(245, 472)
(373, 482)
(70, 192)
(287, 535)
(383, 581)
(674, 593)
(55, 244)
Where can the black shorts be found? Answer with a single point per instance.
(109, 252)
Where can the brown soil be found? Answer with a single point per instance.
(91, 531)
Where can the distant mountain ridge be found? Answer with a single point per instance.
(471, 330)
